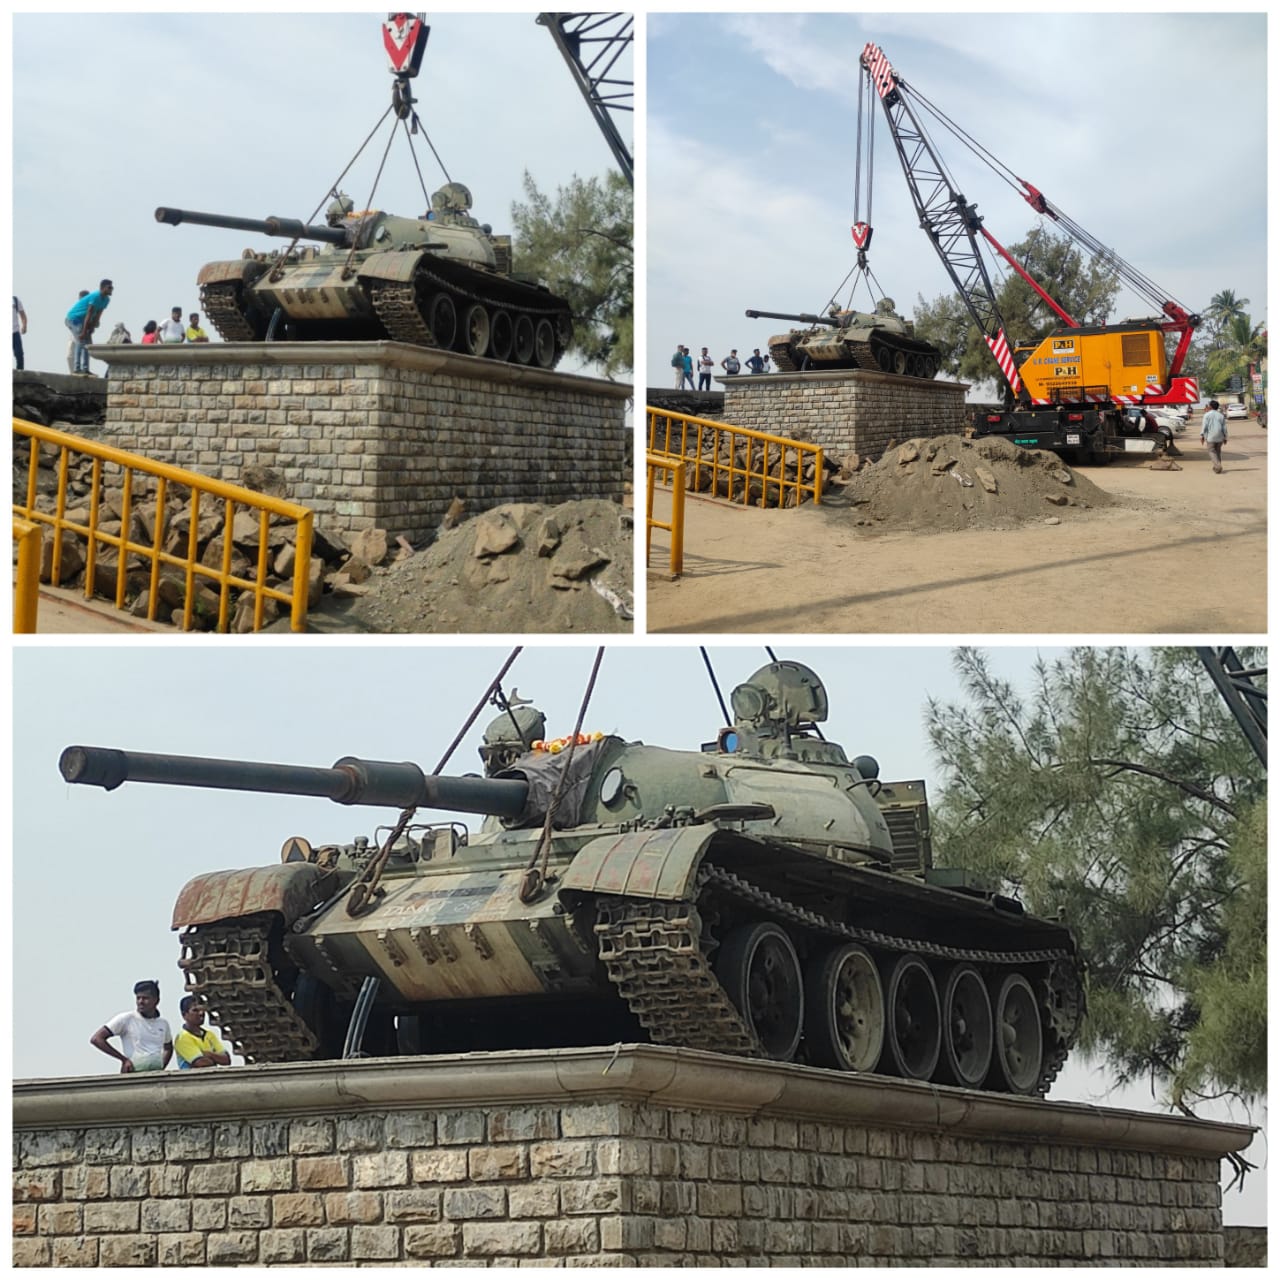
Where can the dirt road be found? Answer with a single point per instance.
(1185, 553)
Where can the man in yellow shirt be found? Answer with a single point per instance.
(194, 332)
(197, 1045)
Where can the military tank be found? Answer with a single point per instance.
(764, 896)
(882, 340)
(442, 280)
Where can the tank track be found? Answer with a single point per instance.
(222, 307)
(780, 354)
(228, 965)
(397, 307)
(654, 954)
(861, 354)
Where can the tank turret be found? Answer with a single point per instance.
(846, 339)
(440, 280)
(764, 895)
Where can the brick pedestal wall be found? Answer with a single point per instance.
(370, 434)
(850, 411)
(630, 1156)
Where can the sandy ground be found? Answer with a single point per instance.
(1185, 553)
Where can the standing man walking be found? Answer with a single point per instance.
(83, 319)
(19, 328)
(1213, 434)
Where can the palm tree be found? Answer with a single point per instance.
(1223, 308)
(1239, 344)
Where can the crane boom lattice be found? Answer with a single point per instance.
(593, 44)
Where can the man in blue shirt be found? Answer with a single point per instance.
(1213, 434)
(83, 319)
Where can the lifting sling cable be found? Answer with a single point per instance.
(364, 888)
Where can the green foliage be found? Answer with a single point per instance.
(581, 246)
(1223, 308)
(1085, 289)
(1123, 793)
(1237, 345)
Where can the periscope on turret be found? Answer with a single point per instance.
(765, 895)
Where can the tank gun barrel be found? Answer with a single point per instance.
(804, 317)
(349, 781)
(285, 228)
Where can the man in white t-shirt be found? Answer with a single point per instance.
(173, 330)
(144, 1034)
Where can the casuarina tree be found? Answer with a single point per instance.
(581, 245)
(1120, 792)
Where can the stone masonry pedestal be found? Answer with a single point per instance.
(370, 433)
(846, 410)
(626, 1155)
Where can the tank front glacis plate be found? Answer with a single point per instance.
(454, 935)
(314, 290)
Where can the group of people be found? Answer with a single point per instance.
(146, 1042)
(86, 313)
(683, 363)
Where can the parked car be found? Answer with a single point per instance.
(1237, 411)
(1170, 418)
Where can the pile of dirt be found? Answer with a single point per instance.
(946, 483)
(517, 568)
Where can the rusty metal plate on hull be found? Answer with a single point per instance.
(232, 269)
(391, 266)
(291, 888)
(641, 864)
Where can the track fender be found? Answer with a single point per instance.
(398, 267)
(641, 864)
(245, 269)
(292, 888)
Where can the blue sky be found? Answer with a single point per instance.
(1147, 129)
(254, 115)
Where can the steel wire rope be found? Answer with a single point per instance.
(362, 890)
(535, 877)
(1108, 257)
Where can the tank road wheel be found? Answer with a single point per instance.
(844, 1010)
(523, 340)
(930, 364)
(913, 1038)
(1019, 1039)
(966, 1028)
(544, 344)
(501, 335)
(760, 972)
(475, 330)
(442, 320)
(884, 358)
(899, 361)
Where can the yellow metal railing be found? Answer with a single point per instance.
(736, 462)
(128, 550)
(26, 579)
(675, 528)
